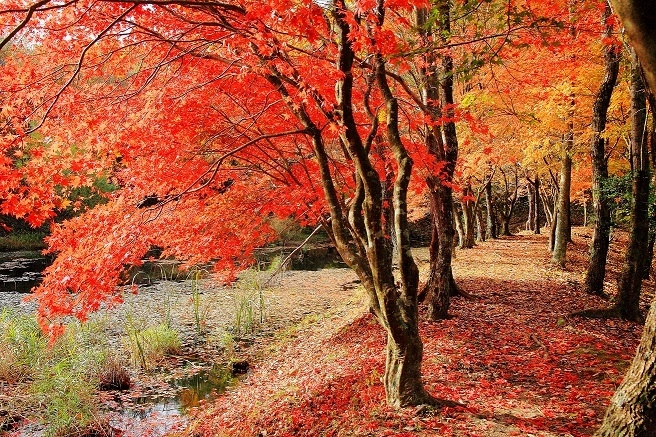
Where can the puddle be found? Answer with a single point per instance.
(189, 391)
(164, 413)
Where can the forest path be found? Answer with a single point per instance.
(513, 355)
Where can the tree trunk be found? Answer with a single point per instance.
(468, 218)
(358, 229)
(631, 413)
(652, 210)
(459, 228)
(536, 206)
(480, 229)
(505, 226)
(630, 282)
(530, 221)
(596, 273)
(562, 229)
(632, 410)
(548, 213)
(443, 144)
(491, 225)
(508, 202)
(440, 284)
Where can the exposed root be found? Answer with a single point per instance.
(427, 402)
(607, 313)
(458, 291)
(597, 313)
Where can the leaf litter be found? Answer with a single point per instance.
(513, 354)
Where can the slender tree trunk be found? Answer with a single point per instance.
(563, 231)
(652, 210)
(536, 206)
(505, 227)
(468, 218)
(491, 225)
(480, 228)
(630, 282)
(547, 210)
(646, 268)
(459, 228)
(594, 279)
(530, 221)
(508, 201)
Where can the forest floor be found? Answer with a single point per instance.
(513, 355)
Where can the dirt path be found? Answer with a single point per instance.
(514, 355)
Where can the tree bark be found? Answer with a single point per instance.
(358, 229)
(491, 225)
(632, 410)
(536, 206)
(468, 218)
(443, 144)
(638, 18)
(530, 221)
(547, 210)
(596, 273)
(480, 228)
(460, 232)
(630, 282)
(631, 413)
(561, 232)
(508, 201)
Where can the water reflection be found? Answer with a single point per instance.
(190, 391)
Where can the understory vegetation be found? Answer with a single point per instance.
(57, 383)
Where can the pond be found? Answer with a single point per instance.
(160, 402)
(20, 271)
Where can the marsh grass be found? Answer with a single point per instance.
(200, 308)
(250, 300)
(148, 346)
(22, 346)
(56, 384)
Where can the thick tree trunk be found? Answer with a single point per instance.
(443, 144)
(402, 379)
(596, 273)
(440, 285)
(638, 18)
(632, 410)
(561, 233)
(630, 282)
